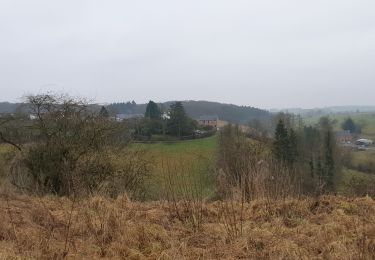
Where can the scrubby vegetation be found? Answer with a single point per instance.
(56, 228)
(74, 184)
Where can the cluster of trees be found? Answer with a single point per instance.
(247, 169)
(312, 150)
(266, 126)
(295, 160)
(174, 122)
(351, 126)
(194, 109)
(227, 112)
(129, 107)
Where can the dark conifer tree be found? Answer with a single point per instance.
(179, 123)
(103, 112)
(281, 143)
(152, 110)
(292, 147)
(329, 162)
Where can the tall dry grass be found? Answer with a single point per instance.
(57, 228)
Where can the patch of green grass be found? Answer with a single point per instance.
(366, 120)
(188, 163)
(363, 157)
(349, 175)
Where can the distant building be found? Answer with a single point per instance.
(123, 117)
(365, 142)
(344, 137)
(165, 116)
(208, 121)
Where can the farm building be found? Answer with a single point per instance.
(208, 121)
(344, 137)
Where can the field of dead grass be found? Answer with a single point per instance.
(56, 228)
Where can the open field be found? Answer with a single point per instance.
(53, 228)
(364, 161)
(182, 162)
(366, 120)
(195, 158)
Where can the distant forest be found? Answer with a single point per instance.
(226, 112)
(6, 107)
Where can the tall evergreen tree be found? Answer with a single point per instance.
(349, 124)
(292, 147)
(329, 167)
(103, 112)
(329, 162)
(179, 123)
(281, 143)
(152, 110)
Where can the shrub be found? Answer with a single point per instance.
(72, 150)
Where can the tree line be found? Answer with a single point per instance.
(296, 160)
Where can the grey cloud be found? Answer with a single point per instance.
(263, 53)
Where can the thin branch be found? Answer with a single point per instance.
(5, 140)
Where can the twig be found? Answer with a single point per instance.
(66, 250)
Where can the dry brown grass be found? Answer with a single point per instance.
(327, 228)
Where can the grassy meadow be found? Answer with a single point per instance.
(182, 165)
(366, 120)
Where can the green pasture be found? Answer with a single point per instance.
(366, 120)
(183, 168)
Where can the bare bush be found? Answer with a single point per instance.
(361, 185)
(247, 167)
(247, 171)
(72, 149)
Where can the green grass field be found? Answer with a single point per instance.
(186, 165)
(366, 120)
(183, 167)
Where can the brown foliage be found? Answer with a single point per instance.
(325, 228)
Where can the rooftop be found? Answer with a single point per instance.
(343, 133)
(208, 117)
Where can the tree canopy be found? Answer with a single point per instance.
(349, 125)
(152, 110)
(179, 123)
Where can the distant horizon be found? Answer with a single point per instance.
(202, 100)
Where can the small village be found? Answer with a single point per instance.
(347, 139)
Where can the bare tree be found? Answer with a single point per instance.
(71, 147)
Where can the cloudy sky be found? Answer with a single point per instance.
(269, 54)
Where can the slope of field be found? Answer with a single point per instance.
(54, 228)
(366, 120)
(179, 164)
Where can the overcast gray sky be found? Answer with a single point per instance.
(296, 53)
